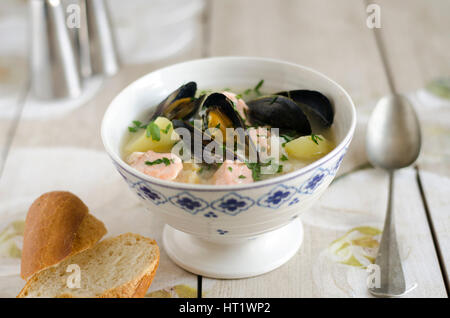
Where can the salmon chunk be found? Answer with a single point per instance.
(231, 172)
(165, 166)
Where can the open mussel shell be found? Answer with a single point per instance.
(312, 102)
(278, 112)
(180, 104)
(221, 113)
(218, 113)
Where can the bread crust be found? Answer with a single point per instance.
(137, 288)
(56, 227)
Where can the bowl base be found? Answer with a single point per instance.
(245, 258)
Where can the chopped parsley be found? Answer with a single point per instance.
(166, 131)
(230, 168)
(284, 158)
(258, 86)
(280, 169)
(273, 100)
(247, 91)
(163, 160)
(255, 167)
(288, 137)
(136, 126)
(242, 176)
(315, 138)
(153, 131)
(238, 96)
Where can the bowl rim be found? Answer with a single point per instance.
(214, 188)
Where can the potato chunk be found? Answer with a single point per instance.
(304, 148)
(140, 142)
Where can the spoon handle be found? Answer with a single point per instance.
(392, 280)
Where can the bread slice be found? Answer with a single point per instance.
(58, 225)
(123, 266)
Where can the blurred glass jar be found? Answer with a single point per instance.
(148, 30)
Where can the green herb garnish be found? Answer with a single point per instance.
(284, 158)
(166, 131)
(242, 176)
(247, 91)
(165, 161)
(230, 168)
(258, 86)
(238, 96)
(315, 138)
(273, 100)
(280, 169)
(136, 126)
(153, 131)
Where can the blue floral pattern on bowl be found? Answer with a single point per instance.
(294, 201)
(149, 194)
(188, 202)
(222, 232)
(277, 197)
(232, 204)
(314, 182)
(210, 215)
(335, 168)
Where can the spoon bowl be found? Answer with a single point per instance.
(393, 134)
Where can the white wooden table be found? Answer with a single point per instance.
(330, 36)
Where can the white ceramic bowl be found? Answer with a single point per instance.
(229, 231)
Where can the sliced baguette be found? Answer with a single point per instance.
(58, 225)
(119, 267)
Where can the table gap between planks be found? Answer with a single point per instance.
(332, 38)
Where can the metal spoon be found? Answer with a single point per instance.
(393, 141)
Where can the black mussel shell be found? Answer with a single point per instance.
(312, 102)
(180, 104)
(278, 112)
(197, 148)
(222, 106)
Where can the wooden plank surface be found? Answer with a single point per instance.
(316, 272)
(61, 149)
(333, 38)
(417, 42)
(416, 38)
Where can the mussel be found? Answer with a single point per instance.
(180, 104)
(220, 113)
(280, 112)
(312, 102)
(291, 110)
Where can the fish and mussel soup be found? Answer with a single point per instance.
(224, 137)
